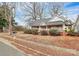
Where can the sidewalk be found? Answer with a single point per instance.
(6, 50)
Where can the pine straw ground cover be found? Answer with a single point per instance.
(71, 42)
(35, 47)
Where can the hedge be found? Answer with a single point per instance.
(34, 31)
(54, 32)
(28, 31)
(43, 32)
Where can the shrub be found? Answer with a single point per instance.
(65, 30)
(54, 32)
(28, 31)
(43, 32)
(34, 31)
(71, 30)
(73, 33)
(18, 28)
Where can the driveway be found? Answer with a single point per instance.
(6, 50)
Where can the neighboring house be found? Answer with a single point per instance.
(58, 23)
(76, 25)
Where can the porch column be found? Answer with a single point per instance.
(39, 30)
(63, 29)
(47, 29)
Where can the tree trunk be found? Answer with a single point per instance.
(1, 29)
(10, 25)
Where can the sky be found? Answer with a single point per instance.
(71, 8)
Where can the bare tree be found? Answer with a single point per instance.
(12, 8)
(40, 10)
(33, 10)
(56, 9)
(40, 13)
(30, 10)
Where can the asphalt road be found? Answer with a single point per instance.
(6, 50)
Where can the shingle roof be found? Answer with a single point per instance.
(55, 23)
(50, 21)
(56, 19)
(39, 22)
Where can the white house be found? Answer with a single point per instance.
(59, 23)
